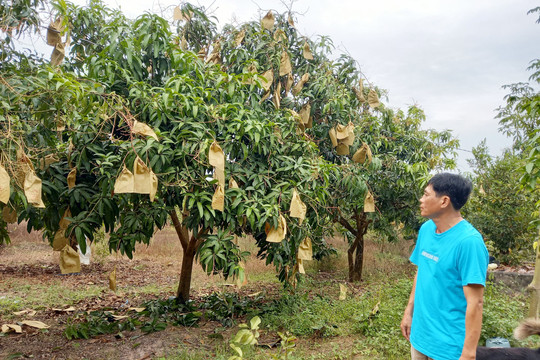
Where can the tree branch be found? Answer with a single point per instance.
(181, 231)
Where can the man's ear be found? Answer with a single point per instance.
(445, 201)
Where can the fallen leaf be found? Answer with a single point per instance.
(29, 312)
(35, 324)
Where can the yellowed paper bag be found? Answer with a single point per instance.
(268, 79)
(57, 55)
(112, 280)
(276, 235)
(285, 64)
(342, 149)
(60, 241)
(300, 264)
(32, 190)
(363, 155)
(268, 21)
(369, 203)
(54, 30)
(298, 87)
(298, 208)
(177, 14)
(289, 83)
(290, 20)
(71, 178)
(216, 157)
(125, 182)
(153, 185)
(239, 37)
(342, 292)
(9, 214)
(233, 184)
(333, 137)
(307, 52)
(276, 99)
(304, 113)
(69, 260)
(143, 129)
(218, 199)
(5, 190)
(373, 99)
(305, 250)
(142, 177)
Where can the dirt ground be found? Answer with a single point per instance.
(29, 261)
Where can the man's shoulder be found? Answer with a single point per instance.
(468, 230)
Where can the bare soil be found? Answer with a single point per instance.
(28, 260)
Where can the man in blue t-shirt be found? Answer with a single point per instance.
(443, 317)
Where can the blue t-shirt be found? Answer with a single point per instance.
(446, 262)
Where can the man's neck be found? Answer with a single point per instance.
(446, 221)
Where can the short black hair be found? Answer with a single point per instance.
(456, 187)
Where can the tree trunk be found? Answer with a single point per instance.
(355, 253)
(534, 287)
(184, 286)
(190, 244)
(356, 258)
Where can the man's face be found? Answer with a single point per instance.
(431, 204)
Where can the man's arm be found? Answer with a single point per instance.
(474, 293)
(407, 315)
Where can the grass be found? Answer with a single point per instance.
(363, 326)
(37, 296)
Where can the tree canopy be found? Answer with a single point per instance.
(255, 129)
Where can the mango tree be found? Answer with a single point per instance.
(520, 118)
(133, 126)
(376, 152)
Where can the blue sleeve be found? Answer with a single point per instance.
(473, 260)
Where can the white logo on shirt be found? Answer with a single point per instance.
(429, 256)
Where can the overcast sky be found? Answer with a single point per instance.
(449, 57)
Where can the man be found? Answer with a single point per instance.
(443, 317)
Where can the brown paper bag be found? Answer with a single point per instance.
(289, 83)
(307, 52)
(342, 149)
(5, 190)
(57, 55)
(305, 250)
(369, 203)
(300, 265)
(304, 113)
(69, 260)
(9, 214)
(142, 177)
(268, 21)
(239, 37)
(333, 137)
(298, 87)
(276, 99)
(216, 157)
(60, 241)
(268, 79)
(112, 279)
(233, 184)
(124, 182)
(298, 208)
(71, 178)
(277, 235)
(218, 199)
(32, 190)
(54, 30)
(373, 99)
(143, 129)
(285, 66)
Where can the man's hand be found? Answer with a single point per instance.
(406, 325)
